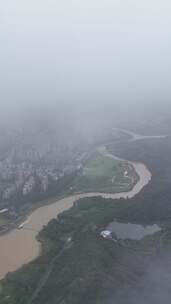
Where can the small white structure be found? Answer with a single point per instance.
(22, 225)
(106, 234)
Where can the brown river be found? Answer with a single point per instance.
(20, 246)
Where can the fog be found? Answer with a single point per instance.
(84, 53)
(70, 72)
(152, 288)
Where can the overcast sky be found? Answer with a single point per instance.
(88, 51)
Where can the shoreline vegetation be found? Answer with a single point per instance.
(47, 244)
(41, 216)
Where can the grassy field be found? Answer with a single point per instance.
(3, 220)
(104, 174)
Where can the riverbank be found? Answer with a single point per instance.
(19, 247)
(101, 172)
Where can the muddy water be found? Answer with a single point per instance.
(19, 246)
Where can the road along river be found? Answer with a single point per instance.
(19, 246)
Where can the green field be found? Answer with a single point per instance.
(3, 220)
(105, 174)
(102, 166)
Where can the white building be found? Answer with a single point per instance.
(29, 185)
